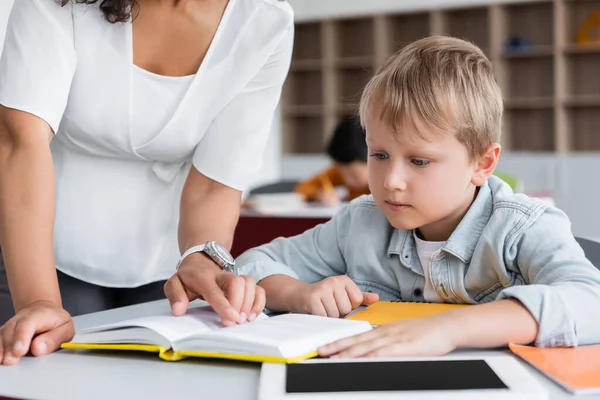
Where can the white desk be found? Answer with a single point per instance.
(70, 374)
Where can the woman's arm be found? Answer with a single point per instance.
(26, 228)
(209, 212)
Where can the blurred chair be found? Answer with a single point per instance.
(276, 187)
(591, 250)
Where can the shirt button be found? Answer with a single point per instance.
(418, 292)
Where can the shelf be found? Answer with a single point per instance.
(535, 52)
(304, 111)
(533, 22)
(583, 125)
(307, 41)
(471, 24)
(304, 135)
(306, 65)
(552, 93)
(582, 48)
(348, 109)
(530, 77)
(305, 88)
(407, 28)
(582, 101)
(353, 62)
(583, 74)
(351, 82)
(530, 130)
(529, 103)
(355, 37)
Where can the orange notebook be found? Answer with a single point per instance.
(384, 312)
(576, 369)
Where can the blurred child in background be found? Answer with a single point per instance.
(348, 150)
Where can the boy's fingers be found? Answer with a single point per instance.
(343, 344)
(330, 306)
(259, 303)
(342, 301)
(370, 298)
(317, 307)
(249, 294)
(354, 294)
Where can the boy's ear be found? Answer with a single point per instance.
(486, 164)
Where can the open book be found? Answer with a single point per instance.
(286, 338)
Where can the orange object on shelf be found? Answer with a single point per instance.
(591, 25)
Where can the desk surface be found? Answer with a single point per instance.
(71, 374)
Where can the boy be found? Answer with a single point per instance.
(348, 150)
(438, 226)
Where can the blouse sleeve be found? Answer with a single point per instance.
(38, 60)
(232, 149)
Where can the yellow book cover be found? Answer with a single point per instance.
(286, 338)
(384, 312)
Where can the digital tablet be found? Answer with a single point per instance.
(460, 377)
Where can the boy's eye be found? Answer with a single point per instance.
(419, 162)
(379, 156)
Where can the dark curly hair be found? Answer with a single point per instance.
(114, 10)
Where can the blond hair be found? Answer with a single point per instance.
(443, 82)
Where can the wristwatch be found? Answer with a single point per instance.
(216, 252)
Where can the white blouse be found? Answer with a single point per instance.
(154, 99)
(118, 192)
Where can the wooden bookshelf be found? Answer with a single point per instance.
(551, 85)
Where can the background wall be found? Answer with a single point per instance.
(318, 9)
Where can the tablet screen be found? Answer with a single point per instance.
(391, 376)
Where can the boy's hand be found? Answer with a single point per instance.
(429, 336)
(334, 297)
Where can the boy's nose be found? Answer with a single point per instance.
(395, 180)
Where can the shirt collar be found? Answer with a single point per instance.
(462, 241)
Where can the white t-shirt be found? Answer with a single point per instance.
(118, 183)
(425, 250)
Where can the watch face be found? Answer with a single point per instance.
(222, 252)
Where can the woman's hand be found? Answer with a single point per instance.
(430, 336)
(237, 299)
(40, 327)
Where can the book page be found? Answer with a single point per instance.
(287, 335)
(196, 321)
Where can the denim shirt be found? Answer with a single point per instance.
(506, 246)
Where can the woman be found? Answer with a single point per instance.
(161, 110)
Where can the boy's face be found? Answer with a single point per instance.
(426, 184)
(355, 174)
